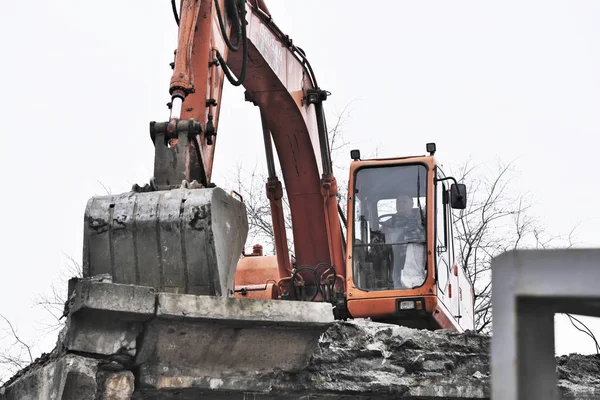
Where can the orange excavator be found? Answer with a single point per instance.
(389, 257)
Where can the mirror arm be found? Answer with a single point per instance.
(445, 179)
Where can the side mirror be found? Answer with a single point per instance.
(458, 196)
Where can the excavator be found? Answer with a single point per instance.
(389, 256)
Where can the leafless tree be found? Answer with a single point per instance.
(16, 354)
(496, 220)
(251, 186)
(18, 351)
(53, 301)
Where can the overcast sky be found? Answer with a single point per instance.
(485, 81)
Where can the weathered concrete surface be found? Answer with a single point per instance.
(184, 350)
(69, 377)
(237, 311)
(214, 342)
(106, 318)
(130, 302)
(211, 356)
(116, 385)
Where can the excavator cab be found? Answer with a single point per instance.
(390, 235)
(399, 215)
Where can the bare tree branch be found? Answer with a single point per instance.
(11, 356)
(495, 221)
(17, 338)
(107, 190)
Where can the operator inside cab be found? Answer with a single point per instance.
(406, 235)
(390, 213)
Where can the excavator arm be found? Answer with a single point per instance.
(218, 39)
(279, 80)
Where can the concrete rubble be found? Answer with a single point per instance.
(130, 342)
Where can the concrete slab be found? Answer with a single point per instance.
(239, 311)
(129, 301)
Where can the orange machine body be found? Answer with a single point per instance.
(440, 307)
(280, 81)
(441, 303)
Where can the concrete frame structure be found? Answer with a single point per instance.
(528, 288)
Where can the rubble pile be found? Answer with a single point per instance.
(389, 361)
(127, 342)
(579, 376)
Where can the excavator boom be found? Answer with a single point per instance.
(217, 40)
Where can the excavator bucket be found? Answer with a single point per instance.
(179, 240)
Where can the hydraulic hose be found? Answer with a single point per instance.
(230, 46)
(174, 7)
(240, 11)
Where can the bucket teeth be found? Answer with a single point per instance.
(191, 185)
(181, 240)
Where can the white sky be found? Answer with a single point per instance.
(483, 80)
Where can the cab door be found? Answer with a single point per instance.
(464, 293)
(447, 281)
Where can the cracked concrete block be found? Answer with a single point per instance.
(212, 355)
(106, 318)
(223, 343)
(101, 334)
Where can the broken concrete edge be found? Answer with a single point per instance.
(111, 384)
(39, 362)
(70, 377)
(120, 384)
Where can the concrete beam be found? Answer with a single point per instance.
(240, 311)
(224, 342)
(530, 286)
(128, 301)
